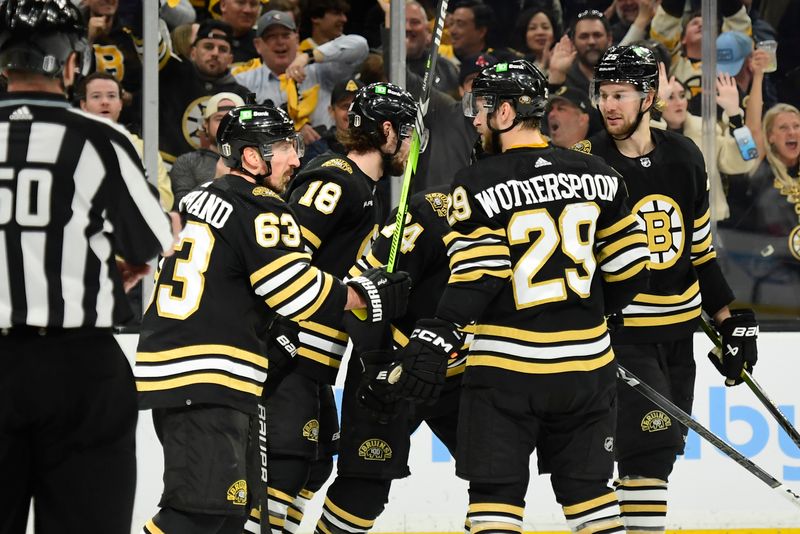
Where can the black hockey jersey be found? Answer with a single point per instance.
(668, 191)
(336, 208)
(538, 236)
(423, 256)
(240, 258)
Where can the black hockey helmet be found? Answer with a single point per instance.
(39, 36)
(379, 102)
(634, 64)
(519, 81)
(255, 126)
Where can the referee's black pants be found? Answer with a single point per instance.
(67, 432)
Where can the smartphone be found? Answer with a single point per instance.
(745, 142)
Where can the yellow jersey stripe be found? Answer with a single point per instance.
(541, 337)
(689, 294)
(704, 258)
(200, 378)
(318, 357)
(703, 245)
(616, 227)
(478, 273)
(663, 320)
(310, 236)
(292, 290)
(616, 246)
(624, 275)
(478, 252)
(327, 282)
(703, 219)
(202, 350)
(277, 264)
(153, 528)
(325, 330)
(540, 368)
(480, 232)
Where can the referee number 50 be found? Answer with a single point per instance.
(31, 206)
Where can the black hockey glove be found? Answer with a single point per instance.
(386, 293)
(739, 351)
(425, 357)
(282, 344)
(375, 393)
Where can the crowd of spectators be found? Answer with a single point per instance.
(310, 56)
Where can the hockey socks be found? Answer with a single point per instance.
(278, 504)
(598, 515)
(643, 502)
(494, 518)
(335, 520)
(294, 515)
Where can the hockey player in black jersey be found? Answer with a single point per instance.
(334, 200)
(376, 426)
(668, 187)
(201, 362)
(542, 247)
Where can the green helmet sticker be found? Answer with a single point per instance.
(246, 114)
(501, 67)
(380, 90)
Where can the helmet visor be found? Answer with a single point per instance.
(406, 130)
(624, 92)
(472, 103)
(283, 147)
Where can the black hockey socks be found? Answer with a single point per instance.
(598, 515)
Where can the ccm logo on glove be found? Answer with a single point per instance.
(432, 338)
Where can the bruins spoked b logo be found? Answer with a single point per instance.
(375, 449)
(655, 421)
(663, 222)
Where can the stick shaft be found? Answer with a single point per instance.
(416, 139)
(685, 419)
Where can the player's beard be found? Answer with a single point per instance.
(621, 127)
(393, 164)
(491, 142)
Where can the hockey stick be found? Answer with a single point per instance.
(263, 486)
(686, 419)
(416, 139)
(771, 407)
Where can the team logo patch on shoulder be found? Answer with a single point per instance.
(311, 430)
(261, 191)
(237, 493)
(584, 146)
(375, 450)
(339, 164)
(656, 421)
(439, 202)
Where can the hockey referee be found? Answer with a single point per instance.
(73, 196)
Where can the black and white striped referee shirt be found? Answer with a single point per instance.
(73, 194)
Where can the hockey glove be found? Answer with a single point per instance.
(739, 351)
(375, 394)
(282, 344)
(386, 293)
(425, 357)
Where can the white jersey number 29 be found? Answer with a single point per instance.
(566, 231)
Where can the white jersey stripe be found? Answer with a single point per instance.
(658, 310)
(4, 139)
(105, 296)
(5, 284)
(45, 141)
(33, 245)
(540, 353)
(168, 370)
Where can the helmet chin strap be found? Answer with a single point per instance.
(496, 143)
(636, 123)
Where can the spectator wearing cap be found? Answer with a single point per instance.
(418, 43)
(184, 87)
(684, 41)
(575, 55)
(736, 58)
(101, 94)
(242, 16)
(470, 25)
(324, 20)
(199, 166)
(300, 81)
(568, 117)
(342, 96)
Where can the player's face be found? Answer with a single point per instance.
(568, 124)
(212, 57)
(784, 137)
(677, 105)
(240, 14)
(619, 104)
(396, 162)
(284, 161)
(417, 35)
(103, 99)
(278, 47)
